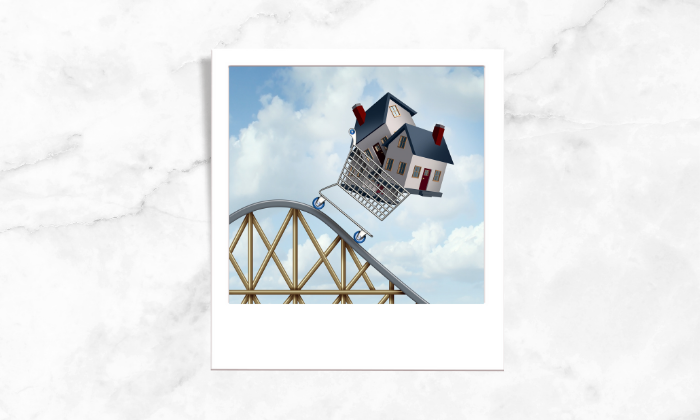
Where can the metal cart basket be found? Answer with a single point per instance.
(365, 181)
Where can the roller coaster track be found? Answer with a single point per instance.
(295, 285)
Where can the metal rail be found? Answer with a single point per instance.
(295, 286)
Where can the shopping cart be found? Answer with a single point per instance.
(365, 181)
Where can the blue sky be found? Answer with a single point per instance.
(288, 139)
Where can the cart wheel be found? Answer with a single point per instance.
(357, 239)
(316, 205)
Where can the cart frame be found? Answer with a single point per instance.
(369, 184)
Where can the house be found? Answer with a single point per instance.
(416, 158)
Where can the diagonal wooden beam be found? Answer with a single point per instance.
(289, 299)
(238, 235)
(238, 270)
(357, 263)
(271, 248)
(358, 275)
(319, 262)
(241, 229)
(319, 250)
(274, 254)
(250, 299)
(384, 299)
(337, 300)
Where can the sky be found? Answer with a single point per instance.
(288, 138)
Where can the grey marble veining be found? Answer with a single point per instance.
(104, 210)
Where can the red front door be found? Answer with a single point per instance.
(424, 181)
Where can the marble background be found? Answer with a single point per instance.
(104, 159)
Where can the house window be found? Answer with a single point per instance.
(437, 176)
(416, 171)
(402, 168)
(383, 142)
(369, 155)
(394, 111)
(402, 142)
(389, 164)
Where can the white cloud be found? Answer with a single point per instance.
(428, 253)
(440, 92)
(468, 168)
(463, 249)
(277, 148)
(455, 189)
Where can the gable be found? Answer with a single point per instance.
(376, 116)
(422, 143)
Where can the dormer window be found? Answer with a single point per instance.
(394, 111)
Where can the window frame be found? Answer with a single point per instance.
(403, 139)
(396, 108)
(398, 168)
(438, 174)
(413, 175)
(389, 164)
(369, 154)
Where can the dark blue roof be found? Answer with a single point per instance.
(422, 143)
(376, 115)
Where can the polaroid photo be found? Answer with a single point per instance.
(363, 191)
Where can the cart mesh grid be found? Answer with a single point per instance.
(370, 185)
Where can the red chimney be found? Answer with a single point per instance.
(359, 112)
(437, 133)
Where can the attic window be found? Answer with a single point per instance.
(394, 111)
(402, 142)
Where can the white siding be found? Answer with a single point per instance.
(424, 163)
(405, 155)
(394, 123)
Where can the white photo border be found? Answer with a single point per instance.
(359, 337)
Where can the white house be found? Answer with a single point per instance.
(414, 157)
